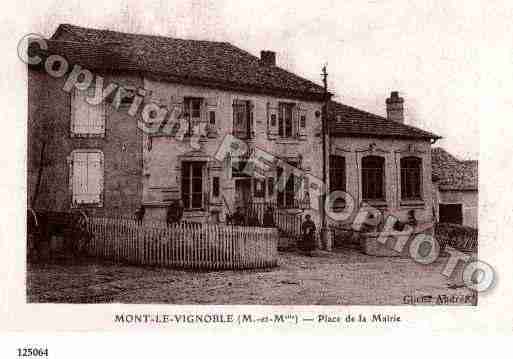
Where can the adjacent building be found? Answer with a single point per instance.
(456, 189)
(382, 161)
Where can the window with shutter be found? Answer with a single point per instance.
(86, 120)
(287, 116)
(272, 120)
(87, 177)
(194, 109)
(242, 119)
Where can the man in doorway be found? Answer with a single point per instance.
(308, 232)
(175, 212)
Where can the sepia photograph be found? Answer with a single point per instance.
(180, 154)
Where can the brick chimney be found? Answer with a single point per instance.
(395, 111)
(268, 58)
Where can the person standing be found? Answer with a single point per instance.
(269, 217)
(308, 233)
(238, 217)
(174, 212)
(139, 214)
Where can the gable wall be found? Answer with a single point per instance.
(121, 146)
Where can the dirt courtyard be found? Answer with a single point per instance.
(343, 277)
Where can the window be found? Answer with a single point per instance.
(337, 173)
(286, 126)
(286, 196)
(87, 120)
(242, 118)
(411, 174)
(86, 177)
(373, 178)
(192, 112)
(212, 117)
(215, 187)
(192, 184)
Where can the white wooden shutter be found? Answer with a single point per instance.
(302, 121)
(204, 111)
(87, 177)
(79, 177)
(178, 117)
(251, 109)
(87, 119)
(96, 115)
(272, 119)
(177, 108)
(212, 107)
(94, 177)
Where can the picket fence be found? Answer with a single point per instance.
(183, 245)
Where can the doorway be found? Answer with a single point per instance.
(451, 213)
(242, 192)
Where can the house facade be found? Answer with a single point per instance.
(210, 189)
(137, 121)
(381, 161)
(105, 158)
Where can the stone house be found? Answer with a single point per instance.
(456, 189)
(99, 159)
(381, 161)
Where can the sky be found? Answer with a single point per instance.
(430, 52)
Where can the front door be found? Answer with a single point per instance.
(242, 192)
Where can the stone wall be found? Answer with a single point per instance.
(49, 114)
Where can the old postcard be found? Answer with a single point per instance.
(281, 164)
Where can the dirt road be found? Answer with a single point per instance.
(340, 277)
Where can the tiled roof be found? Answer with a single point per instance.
(217, 64)
(345, 120)
(453, 174)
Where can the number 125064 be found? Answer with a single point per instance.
(32, 352)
